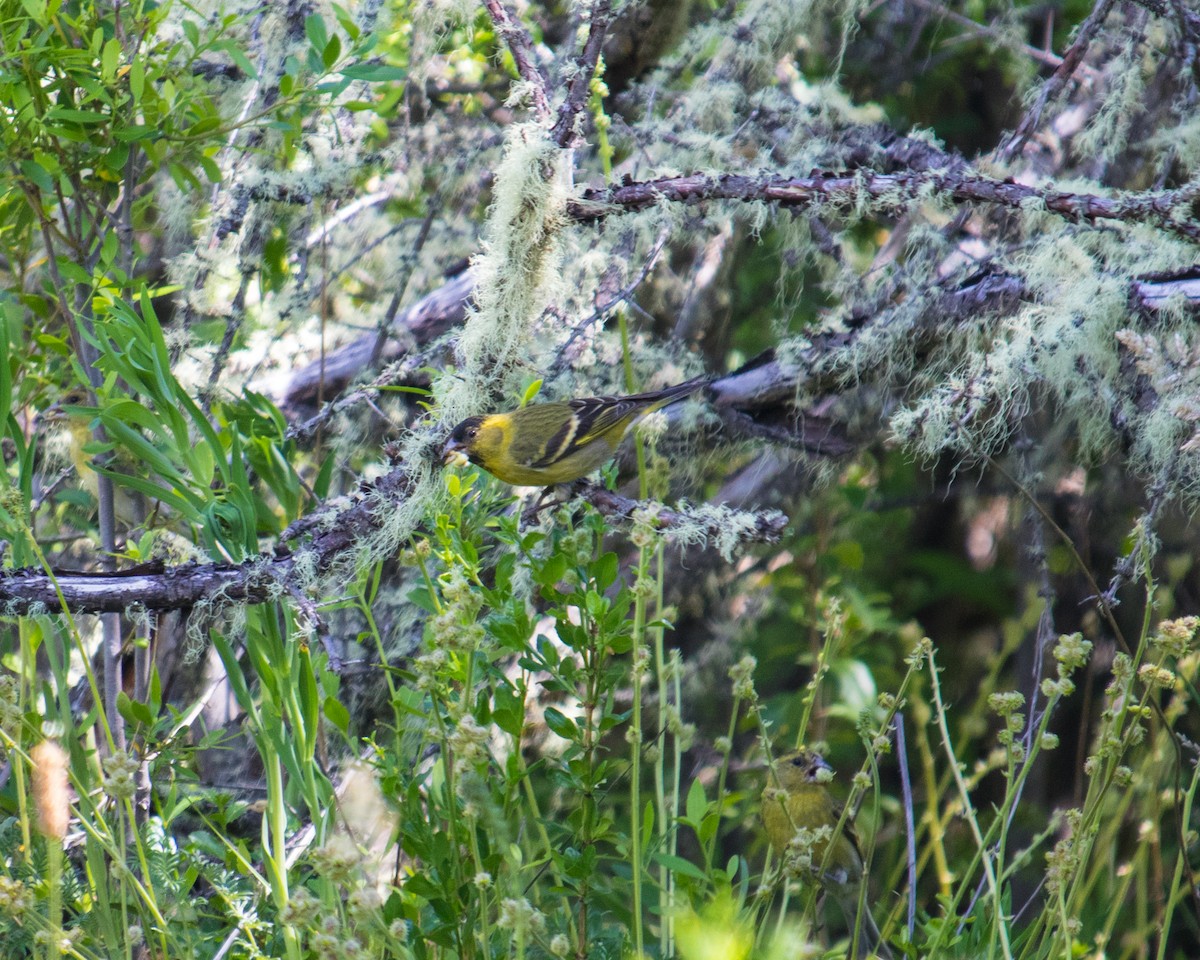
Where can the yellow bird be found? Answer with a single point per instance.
(545, 444)
(797, 800)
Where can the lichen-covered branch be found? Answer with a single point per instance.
(1171, 210)
(24, 592)
(585, 67)
(724, 527)
(334, 534)
(516, 38)
(445, 308)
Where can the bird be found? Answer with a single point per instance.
(127, 505)
(544, 444)
(797, 798)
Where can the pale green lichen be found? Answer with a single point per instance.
(1125, 74)
(519, 272)
(719, 526)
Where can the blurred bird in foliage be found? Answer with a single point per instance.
(801, 817)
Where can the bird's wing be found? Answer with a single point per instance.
(595, 416)
(847, 828)
(582, 422)
(554, 421)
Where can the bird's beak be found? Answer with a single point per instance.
(453, 454)
(820, 764)
(51, 415)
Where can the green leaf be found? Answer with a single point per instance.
(606, 571)
(204, 126)
(183, 177)
(697, 803)
(5, 370)
(38, 175)
(238, 56)
(346, 21)
(678, 865)
(561, 724)
(530, 392)
(86, 117)
(134, 711)
(373, 72)
(508, 710)
(332, 52)
(334, 88)
(134, 132)
(109, 60)
(155, 689)
(109, 247)
(137, 78)
(310, 702)
(552, 571)
(337, 714)
(210, 168)
(314, 28)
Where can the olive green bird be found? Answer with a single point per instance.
(128, 507)
(805, 802)
(545, 444)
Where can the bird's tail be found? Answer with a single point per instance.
(657, 399)
(864, 932)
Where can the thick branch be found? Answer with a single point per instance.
(445, 307)
(333, 533)
(760, 526)
(898, 190)
(29, 591)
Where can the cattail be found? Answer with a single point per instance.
(50, 794)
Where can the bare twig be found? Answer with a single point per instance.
(1062, 73)
(415, 327)
(983, 30)
(520, 46)
(602, 310)
(585, 68)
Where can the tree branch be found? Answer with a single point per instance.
(1062, 73)
(520, 46)
(898, 190)
(707, 521)
(585, 68)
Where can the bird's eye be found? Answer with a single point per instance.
(797, 761)
(472, 433)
